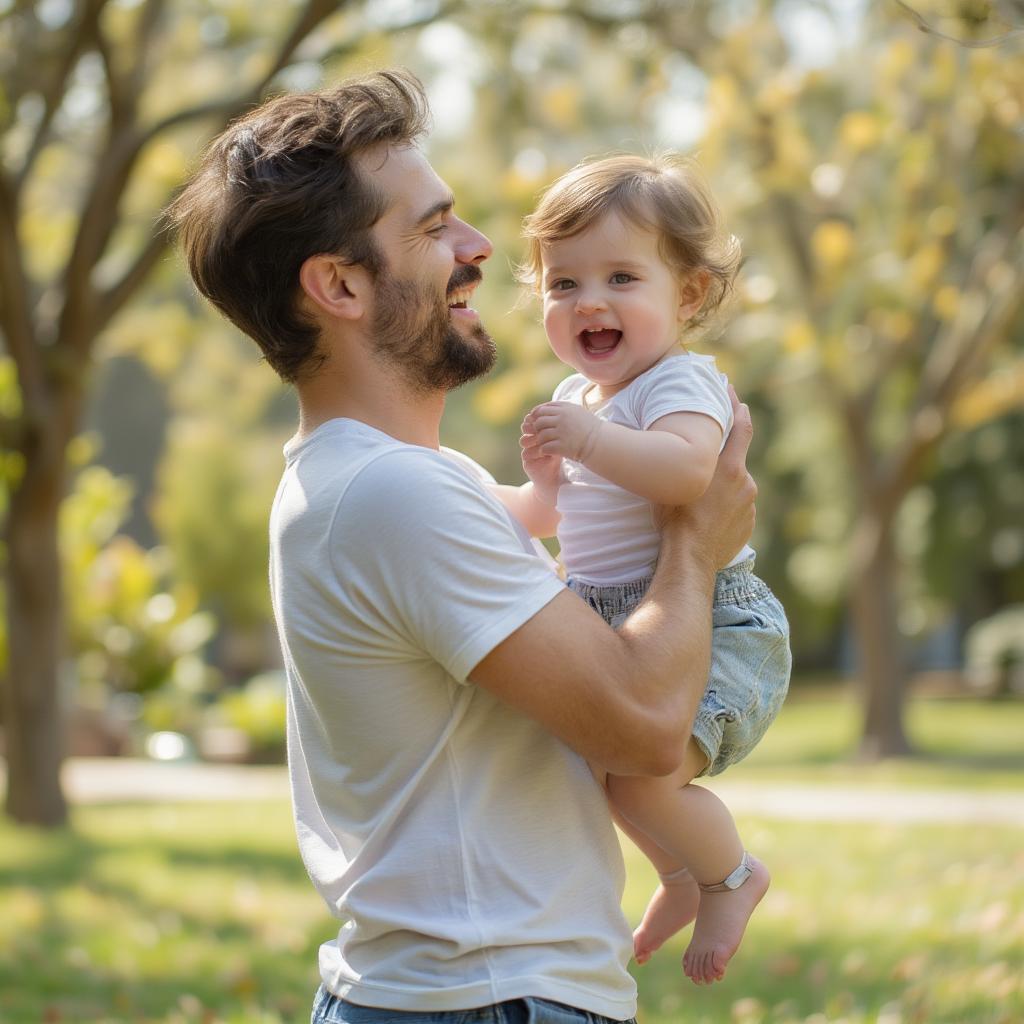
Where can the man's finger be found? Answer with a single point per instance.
(738, 444)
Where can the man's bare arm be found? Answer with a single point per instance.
(626, 700)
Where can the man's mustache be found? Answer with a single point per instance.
(468, 273)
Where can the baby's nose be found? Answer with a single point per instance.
(588, 302)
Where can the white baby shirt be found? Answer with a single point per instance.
(607, 534)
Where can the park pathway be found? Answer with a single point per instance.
(102, 780)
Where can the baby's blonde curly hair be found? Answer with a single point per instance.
(664, 193)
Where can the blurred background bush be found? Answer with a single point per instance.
(869, 156)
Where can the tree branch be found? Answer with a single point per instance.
(114, 298)
(315, 12)
(53, 92)
(121, 101)
(924, 26)
(348, 46)
(966, 343)
(81, 310)
(148, 21)
(15, 309)
(957, 346)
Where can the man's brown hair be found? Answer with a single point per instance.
(280, 185)
(665, 194)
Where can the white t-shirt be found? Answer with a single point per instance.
(607, 534)
(469, 854)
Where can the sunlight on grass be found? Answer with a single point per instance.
(958, 742)
(202, 913)
(862, 924)
(173, 914)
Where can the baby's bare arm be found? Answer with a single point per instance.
(538, 518)
(670, 464)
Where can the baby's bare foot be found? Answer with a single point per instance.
(671, 909)
(721, 921)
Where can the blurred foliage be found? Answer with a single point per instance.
(864, 171)
(994, 652)
(865, 184)
(258, 711)
(131, 627)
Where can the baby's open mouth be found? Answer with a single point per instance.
(599, 342)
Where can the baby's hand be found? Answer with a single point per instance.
(545, 471)
(561, 428)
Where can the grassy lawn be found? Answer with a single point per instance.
(959, 742)
(202, 913)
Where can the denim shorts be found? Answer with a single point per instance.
(330, 1009)
(750, 658)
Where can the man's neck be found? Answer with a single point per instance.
(385, 403)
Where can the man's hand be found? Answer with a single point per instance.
(722, 519)
(560, 428)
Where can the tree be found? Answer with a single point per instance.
(911, 276)
(881, 198)
(98, 117)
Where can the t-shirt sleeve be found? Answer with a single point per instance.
(436, 558)
(569, 390)
(684, 384)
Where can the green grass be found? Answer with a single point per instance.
(202, 913)
(958, 742)
(862, 924)
(181, 913)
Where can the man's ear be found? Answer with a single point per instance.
(692, 292)
(340, 289)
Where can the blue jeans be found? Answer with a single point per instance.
(329, 1009)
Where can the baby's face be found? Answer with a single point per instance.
(612, 306)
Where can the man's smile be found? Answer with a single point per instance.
(461, 286)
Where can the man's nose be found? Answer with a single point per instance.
(473, 246)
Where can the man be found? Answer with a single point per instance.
(444, 687)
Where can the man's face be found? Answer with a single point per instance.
(422, 322)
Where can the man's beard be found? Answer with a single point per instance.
(413, 330)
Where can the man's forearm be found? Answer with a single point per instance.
(669, 634)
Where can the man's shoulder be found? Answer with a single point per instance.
(402, 481)
(368, 480)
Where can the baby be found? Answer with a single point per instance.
(628, 255)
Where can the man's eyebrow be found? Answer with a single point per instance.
(441, 206)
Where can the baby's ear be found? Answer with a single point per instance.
(693, 290)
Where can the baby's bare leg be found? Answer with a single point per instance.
(674, 903)
(694, 828)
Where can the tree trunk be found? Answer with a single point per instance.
(879, 642)
(32, 711)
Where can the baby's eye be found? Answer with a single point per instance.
(622, 278)
(562, 284)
